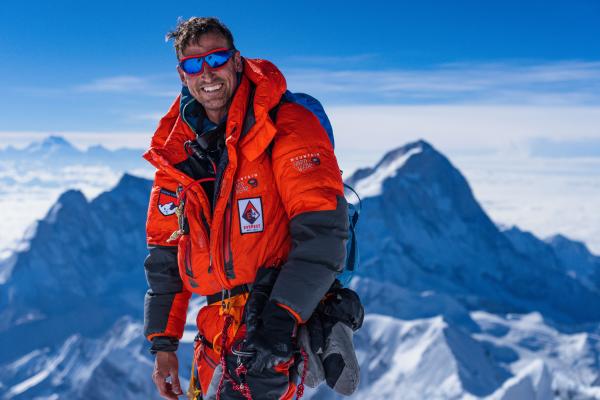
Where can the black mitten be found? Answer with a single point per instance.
(261, 290)
(272, 342)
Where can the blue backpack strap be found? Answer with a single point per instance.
(352, 256)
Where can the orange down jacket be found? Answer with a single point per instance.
(278, 203)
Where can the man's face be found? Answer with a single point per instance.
(213, 88)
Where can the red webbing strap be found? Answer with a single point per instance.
(300, 389)
(241, 388)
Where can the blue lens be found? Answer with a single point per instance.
(192, 65)
(217, 59)
(214, 60)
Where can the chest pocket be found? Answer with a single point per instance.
(259, 231)
(255, 195)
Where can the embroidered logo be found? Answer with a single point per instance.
(241, 187)
(245, 183)
(306, 161)
(251, 218)
(166, 202)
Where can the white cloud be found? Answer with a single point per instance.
(115, 84)
(363, 133)
(151, 117)
(82, 140)
(566, 82)
(581, 148)
(542, 195)
(154, 85)
(490, 144)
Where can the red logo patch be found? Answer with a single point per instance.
(167, 202)
(251, 216)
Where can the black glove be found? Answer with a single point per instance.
(341, 305)
(272, 341)
(259, 296)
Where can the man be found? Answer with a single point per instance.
(244, 209)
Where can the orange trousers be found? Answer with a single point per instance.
(276, 384)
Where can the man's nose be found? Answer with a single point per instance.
(207, 73)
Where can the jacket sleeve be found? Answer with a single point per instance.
(310, 185)
(166, 301)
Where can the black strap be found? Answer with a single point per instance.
(226, 294)
(205, 341)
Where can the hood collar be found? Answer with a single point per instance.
(269, 85)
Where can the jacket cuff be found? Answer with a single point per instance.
(279, 323)
(291, 311)
(164, 343)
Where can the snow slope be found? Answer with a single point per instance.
(33, 178)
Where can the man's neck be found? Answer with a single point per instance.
(215, 117)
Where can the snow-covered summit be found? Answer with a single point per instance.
(425, 230)
(85, 258)
(368, 182)
(50, 144)
(55, 151)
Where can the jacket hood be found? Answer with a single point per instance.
(248, 122)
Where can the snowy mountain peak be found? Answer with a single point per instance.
(51, 144)
(368, 182)
(426, 231)
(391, 156)
(128, 180)
(97, 151)
(68, 202)
(56, 140)
(55, 152)
(72, 197)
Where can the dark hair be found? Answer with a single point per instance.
(190, 31)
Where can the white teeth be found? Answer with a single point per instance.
(212, 88)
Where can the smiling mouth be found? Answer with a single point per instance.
(212, 88)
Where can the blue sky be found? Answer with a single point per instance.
(509, 91)
(104, 67)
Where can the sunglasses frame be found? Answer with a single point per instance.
(203, 55)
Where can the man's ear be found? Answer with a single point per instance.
(237, 62)
(181, 76)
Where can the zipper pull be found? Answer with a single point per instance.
(225, 305)
(175, 235)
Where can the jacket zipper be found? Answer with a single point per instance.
(207, 230)
(186, 259)
(227, 258)
(227, 253)
(214, 202)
